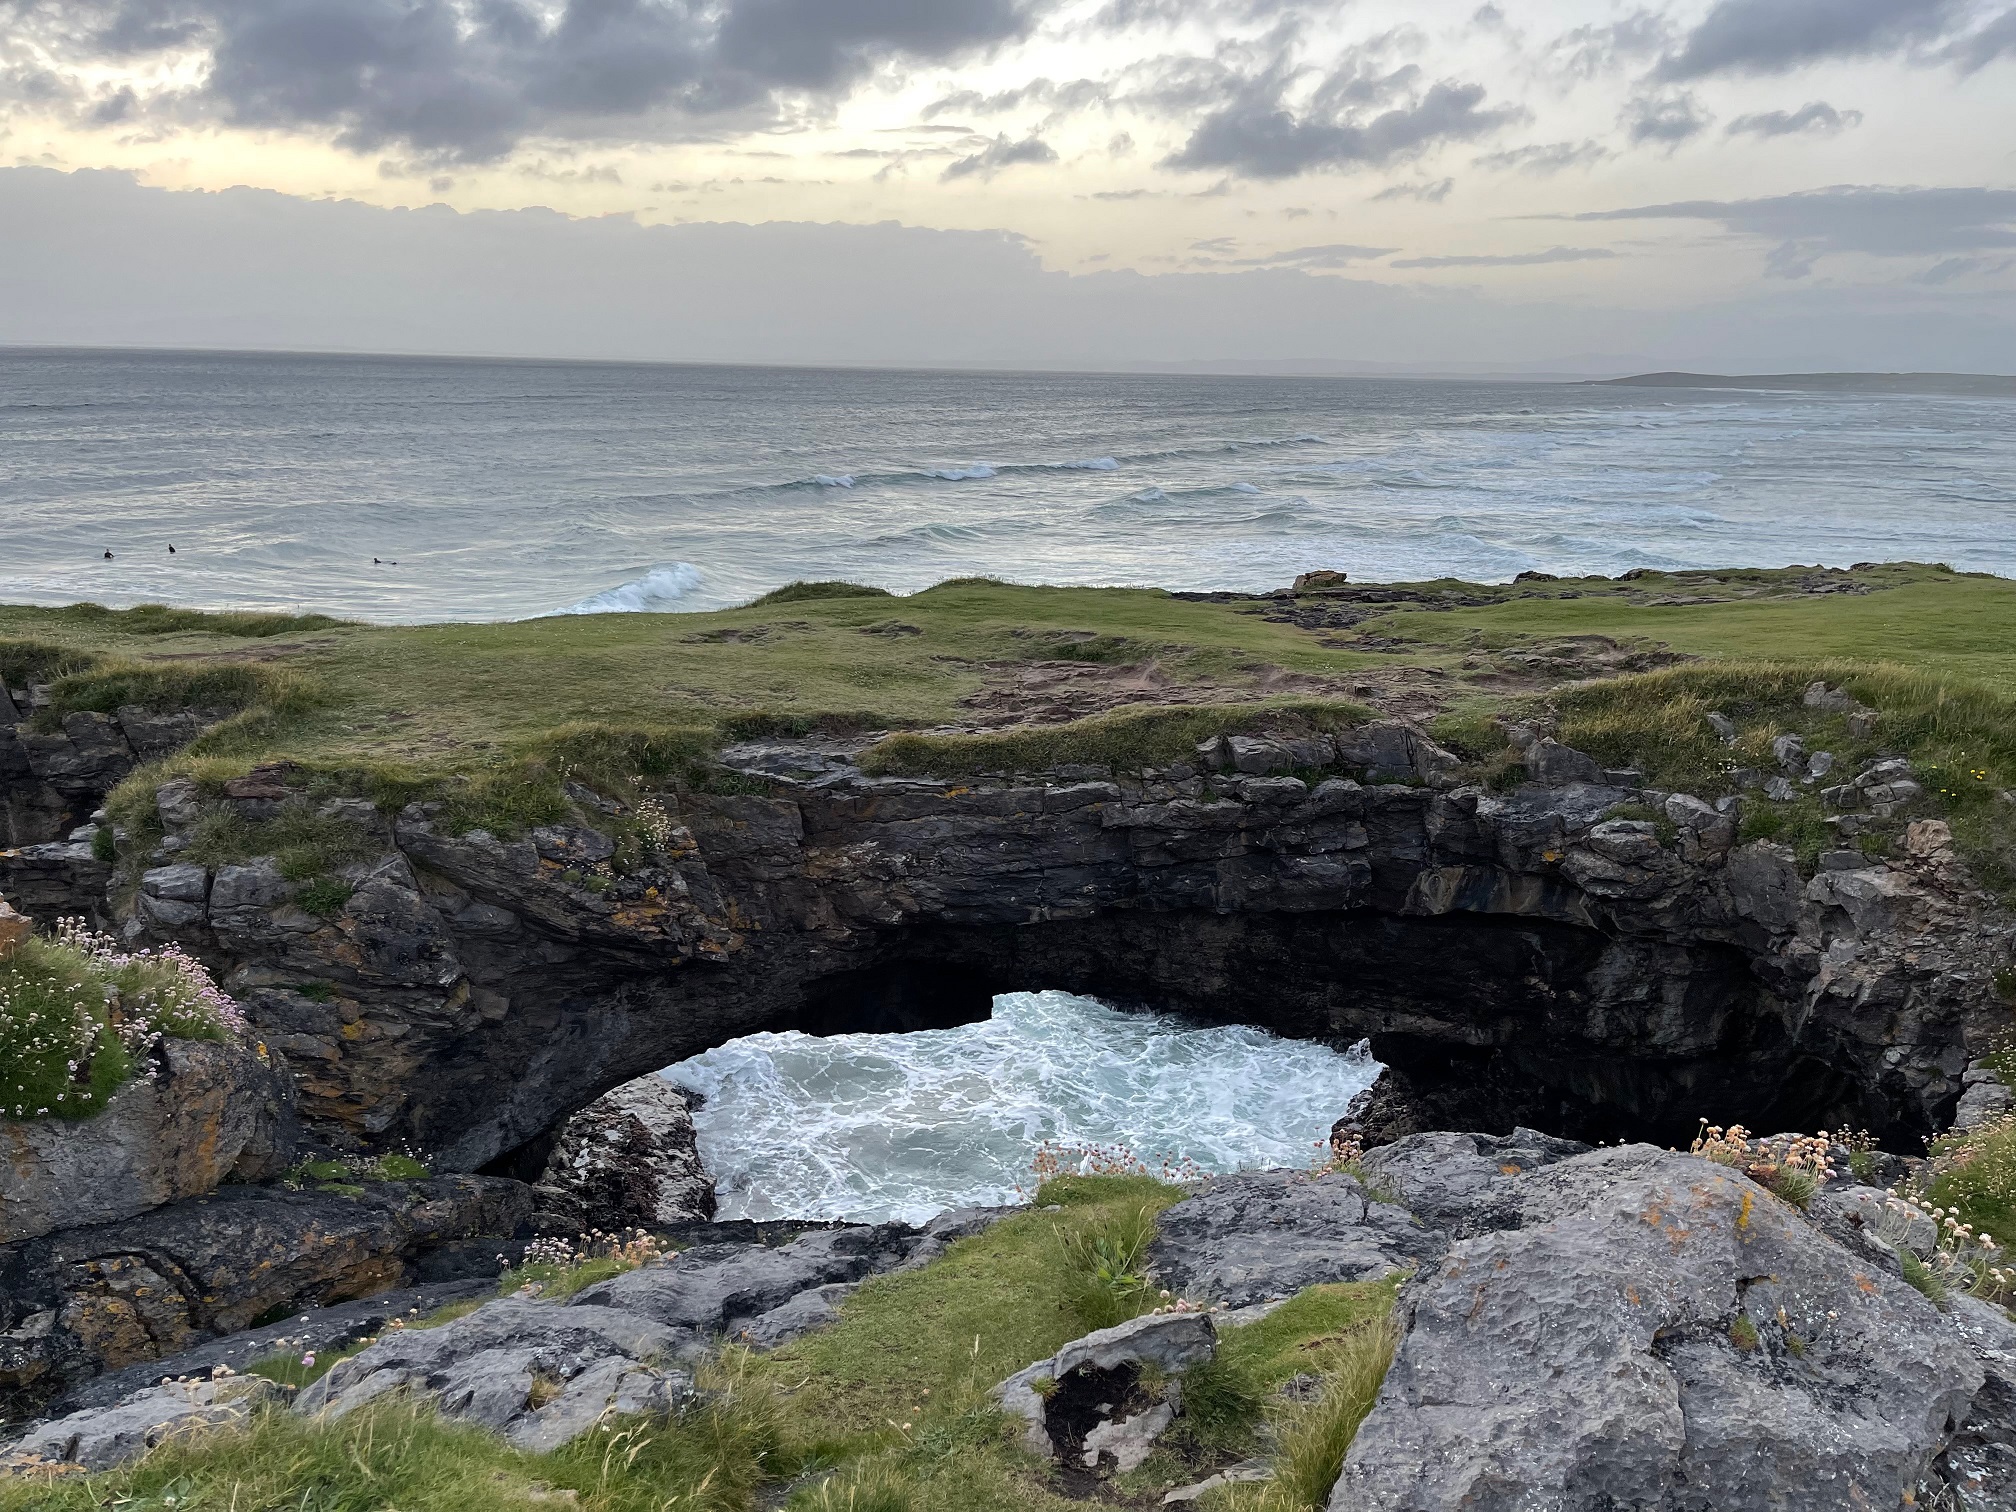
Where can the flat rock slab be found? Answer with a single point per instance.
(1662, 1334)
(716, 1290)
(1267, 1234)
(102, 1438)
(1464, 1184)
(537, 1373)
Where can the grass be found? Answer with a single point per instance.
(1975, 1174)
(1311, 1438)
(886, 1411)
(491, 719)
(78, 1017)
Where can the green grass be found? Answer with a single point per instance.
(492, 719)
(1976, 1174)
(62, 1009)
(886, 1411)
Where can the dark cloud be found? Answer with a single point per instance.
(998, 154)
(1259, 135)
(1431, 192)
(1509, 259)
(1543, 158)
(1666, 120)
(1816, 118)
(1773, 36)
(452, 81)
(1878, 221)
(1995, 40)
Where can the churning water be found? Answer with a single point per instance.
(900, 1126)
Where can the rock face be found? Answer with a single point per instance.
(628, 1160)
(542, 1373)
(1514, 958)
(82, 1301)
(109, 1436)
(216, 1110)
(538, 1374)
(1659, 1332)
(1058, 1398)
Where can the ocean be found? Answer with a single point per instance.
(398, 489)
(412, 489)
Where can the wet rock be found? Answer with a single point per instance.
(630, 1159)
(540, 1374)
(1634, 1346)
(213, 1110)
(102, 1438)
(1266, 1234)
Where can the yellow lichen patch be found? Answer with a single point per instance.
(1743, 1214)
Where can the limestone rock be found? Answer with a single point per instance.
(1265, 1234)
(79, 1302)
(102, 1438)
(1550, 761)
(717, 1290)
(1634, 1346)
(539, 1374)
(630, 1159)
(1465, 1184)
(1106, 1363)
(214, 1109)
(13, 930)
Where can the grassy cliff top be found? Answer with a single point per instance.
(1039, 675)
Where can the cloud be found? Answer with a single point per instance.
(1590, 51)
(1429, 191)
(1874, 220)
(1816, 117)
(1062, 99)
(1974, 52)
(1330, 255)
(452, 81)
(1667, 119)
(1509, 259)
(1542, 158)
(999, 154)
(1261, 136)
(1948, 269)
(1775, 36)
(97, 259)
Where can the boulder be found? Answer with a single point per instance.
(540, 1374)
(215, 1110)
(102, 1438)
(13, 930)
(1464, 1184)
(1551, 762)
(629, 1159)
(1106, 1363)
(1661, 1333)
(1261, 1235)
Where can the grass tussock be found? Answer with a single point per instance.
(805, 592)
(1125, 741)
(1312, 1437)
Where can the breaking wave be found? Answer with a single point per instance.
(658, 590)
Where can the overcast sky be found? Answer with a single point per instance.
(1738, 183)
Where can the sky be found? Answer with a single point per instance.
(1571, 184)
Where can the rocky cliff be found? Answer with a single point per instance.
(1529, 955)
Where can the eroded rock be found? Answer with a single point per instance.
(630, 1159)
(103, 1438)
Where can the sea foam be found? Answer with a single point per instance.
(873, 1127)
(658, 590)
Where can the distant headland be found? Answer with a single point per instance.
(1971, 385)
